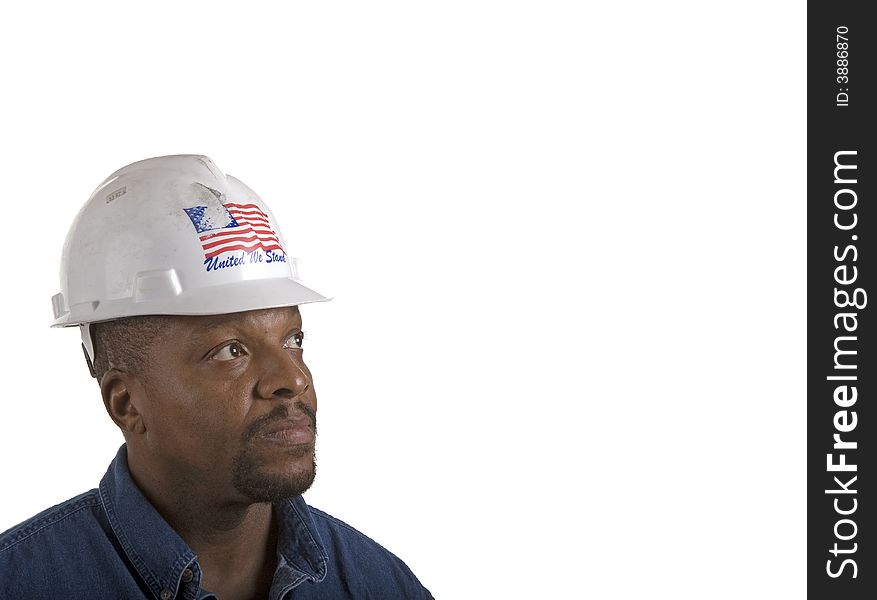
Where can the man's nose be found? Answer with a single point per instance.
(283, 374)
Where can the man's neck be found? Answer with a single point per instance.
(235, 542)
(237, 563)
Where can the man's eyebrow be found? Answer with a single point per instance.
(203, 330)
(229, 322)
(292, 330)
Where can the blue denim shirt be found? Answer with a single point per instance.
(111, 543)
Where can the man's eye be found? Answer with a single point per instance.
(229, 352)
(295, 340)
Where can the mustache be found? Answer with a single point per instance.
(280, 413)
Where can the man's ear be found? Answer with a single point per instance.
(120, 393)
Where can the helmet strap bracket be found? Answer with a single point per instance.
(87, 347)
(88, 362)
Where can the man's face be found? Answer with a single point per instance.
(229, 406)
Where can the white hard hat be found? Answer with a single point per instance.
(173, 235)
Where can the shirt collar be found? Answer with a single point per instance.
(160, 555)
(155, 550)
(298, 541)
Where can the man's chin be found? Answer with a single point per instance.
(261, 480)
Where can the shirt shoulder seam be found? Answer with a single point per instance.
(350, 528)
(61, 513)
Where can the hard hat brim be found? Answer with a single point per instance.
(255, 294)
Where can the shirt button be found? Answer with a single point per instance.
(166, 595)
(188, 575)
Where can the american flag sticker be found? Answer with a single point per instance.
(232, 226)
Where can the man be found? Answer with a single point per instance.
(188, 305)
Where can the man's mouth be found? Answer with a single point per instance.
(290, 431)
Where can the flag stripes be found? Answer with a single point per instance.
(253, 231)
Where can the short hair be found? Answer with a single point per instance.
(125, 344)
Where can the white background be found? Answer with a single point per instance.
(566, 243)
